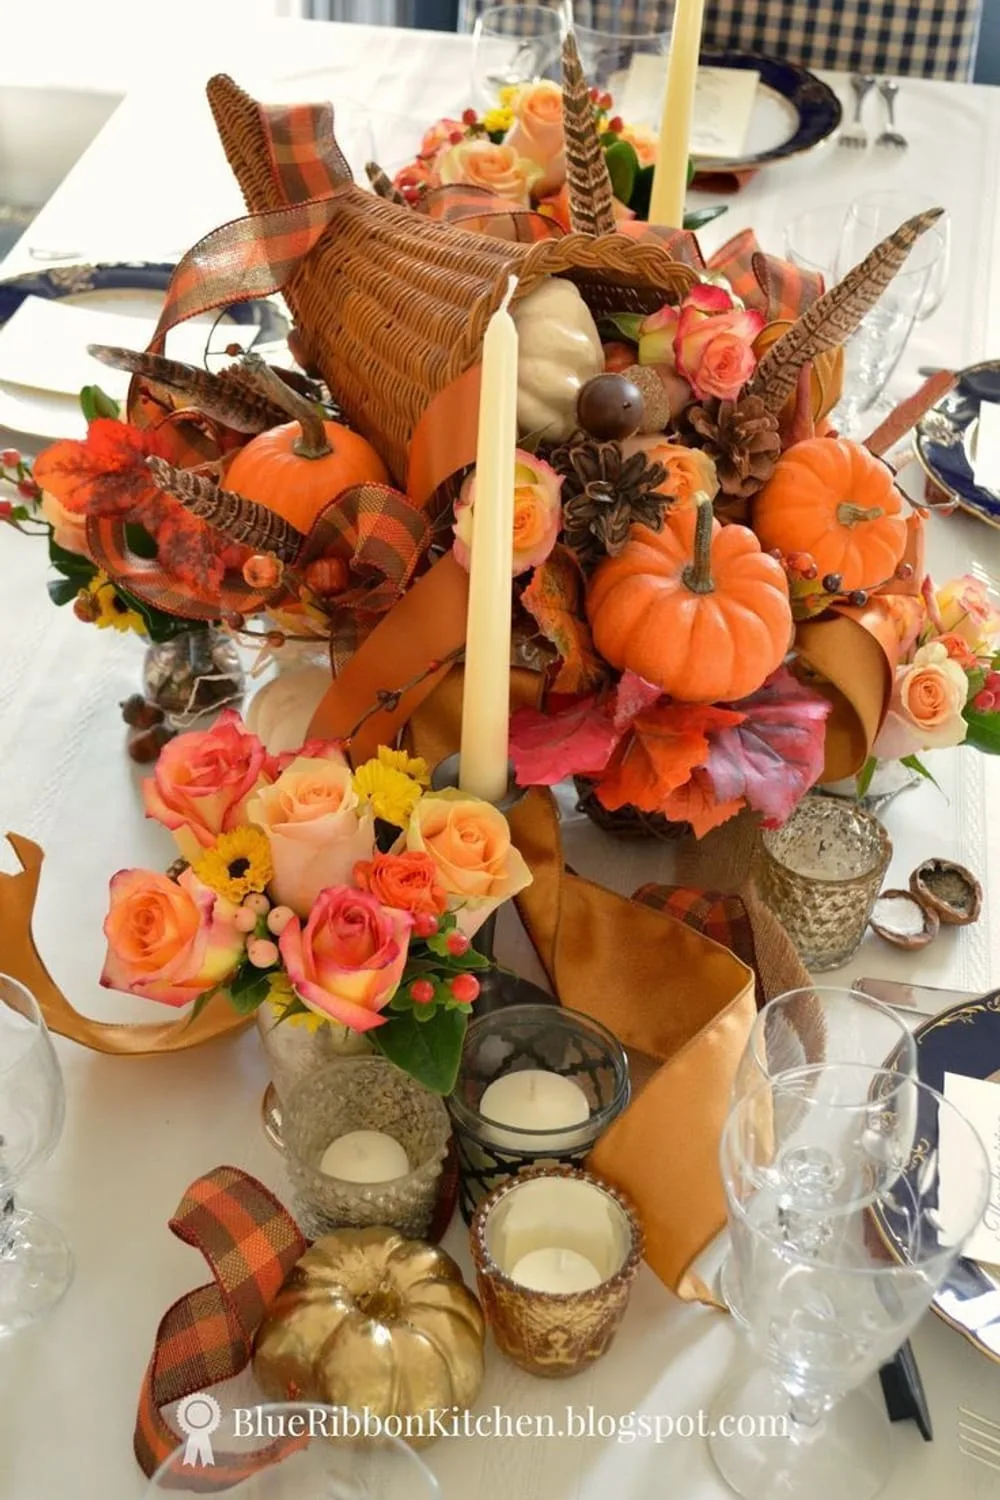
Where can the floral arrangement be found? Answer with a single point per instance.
(337, 896)
(517, 152)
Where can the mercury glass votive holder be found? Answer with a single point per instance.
(520, 1037)
(820, 873)
(558, 1210)
(364, 1093)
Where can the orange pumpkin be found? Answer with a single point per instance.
(696, 608)
(831, 498)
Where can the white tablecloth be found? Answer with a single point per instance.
(137, 1132)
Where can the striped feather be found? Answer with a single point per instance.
(837, 314)
(232, 515)
(230, 397)
(382, 184)
(591, 200)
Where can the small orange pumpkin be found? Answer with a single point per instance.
(298, 468)
(833, 499)
(697, 609)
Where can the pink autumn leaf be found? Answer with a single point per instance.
(546, 748)
(633, 695)
(776, 754)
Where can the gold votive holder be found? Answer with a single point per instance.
(555, 1220)
(820, 873)
(364, 1094)
(519, 1038)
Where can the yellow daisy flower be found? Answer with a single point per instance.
(111, 607)
(389, 792)
(410, 765)
(281, 995)
(236, 864)
(498, 120)
(509, 95)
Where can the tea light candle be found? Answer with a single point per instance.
(556, 1270)
(365, 1156)
(530, 1101)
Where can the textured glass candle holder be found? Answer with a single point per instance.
(295, 1048)
(364, 1093)
(820, 874)
(555, 1333)
(518, 1037)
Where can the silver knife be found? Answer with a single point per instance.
(917, 999)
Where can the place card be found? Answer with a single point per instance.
(43, 345)
(723, 107)
(987, 465)
(979, 1101)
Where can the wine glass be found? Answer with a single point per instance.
(36, 1266)
(877, 213)
(286, 1451)
(833, 1187)
(514, 44)
(627, 61)
(806, 1028)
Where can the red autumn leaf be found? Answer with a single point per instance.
(775, 755)
(666, 743)
(697, 804)
(633, 695)
(554, 598)
(545, 748)
(106, 474)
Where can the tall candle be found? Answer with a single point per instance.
(486, 696)
(532, 1101)
(666, 204)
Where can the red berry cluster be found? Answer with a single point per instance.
(26, 487)
(803, 565)
(464, 989)
(601, 98)
(987, 700)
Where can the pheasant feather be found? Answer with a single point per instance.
(230, 397)
(237, 518)
(382, 184)
(591, 200)
(837, 314)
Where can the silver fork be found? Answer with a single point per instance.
(890, 136)
(979, 1438)
(855, 137)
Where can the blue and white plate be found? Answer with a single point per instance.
(966, 1040)
(133, 288)
(947, 436)
(793, 112)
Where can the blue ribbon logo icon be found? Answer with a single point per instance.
(197, 1417)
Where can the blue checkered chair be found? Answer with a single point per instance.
(922, 38)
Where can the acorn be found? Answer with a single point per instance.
(139, 713)
(144, 745)
(610, 408)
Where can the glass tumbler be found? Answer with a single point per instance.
(820, 873)
(514, 44)
(626, 57)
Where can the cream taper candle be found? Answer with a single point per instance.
(486, 696)
(666, 204)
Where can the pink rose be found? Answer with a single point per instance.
(537, 133)
(168, 940)
(311, 750)
(203, 781)
(964, 608)
(346, 963)
(656, 349)
(537, 513)
(713, 343)
(925, 712)
(317, 829)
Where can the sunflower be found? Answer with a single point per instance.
(282, 995)
(410, 765)
(389, 792)
(111, 607)
(236, 864)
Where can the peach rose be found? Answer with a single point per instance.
(688, 469)
(644, 142)
(168, 940)
(713, 344)
(537, 513)
(408, 881)
(498, 169)
(925, 712)
(203, 782)
(69, 527)
(966, 609)
(346, 963)
(537, 133)
(317, 829)
(469, 842)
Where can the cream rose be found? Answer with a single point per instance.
(537, 133)
(926, 708)
(688, 469)
(317, 829)
(498, 169)
(537, 513)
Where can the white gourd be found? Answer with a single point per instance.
(559, 350)
(280, 712)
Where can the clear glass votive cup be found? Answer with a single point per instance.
(364, 1093)
(566, 1212)
(820, 874)
(517, 1038)
(627, 62)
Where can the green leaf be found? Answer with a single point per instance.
(642, 190)
(623, 165)
(62, 590)
(627, 324)
(159, 626)
(139, 541)
(984, 731)
(864, 779)
(691, 172)
(700, 216)
(94, 403)
(916, 764)
(70, 564)
(429, 1051)
(199, 1005)
(249, 988)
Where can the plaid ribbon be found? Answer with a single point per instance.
(724, 919)
(477, 209)
(251, 1244)
(774, 287)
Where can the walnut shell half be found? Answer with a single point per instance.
(949, 889)
(902, 919)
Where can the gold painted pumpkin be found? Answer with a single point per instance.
(371, 1320)
(833, 499)
(697, 608)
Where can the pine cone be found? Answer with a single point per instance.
(603, 493)
(742, 438)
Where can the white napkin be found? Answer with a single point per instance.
(979, 1101)
(987, 465)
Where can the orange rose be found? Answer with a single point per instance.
(69, 527)
(470, 844)
(537, 513)
(168, 940)
(688, 469)
(407, 881)
(316, 827)
(644, 142)
(498, 169)
(203, 781)
(537, 133)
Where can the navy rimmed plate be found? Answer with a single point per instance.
(946, 440)
(794, 111)
(966, 1040)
